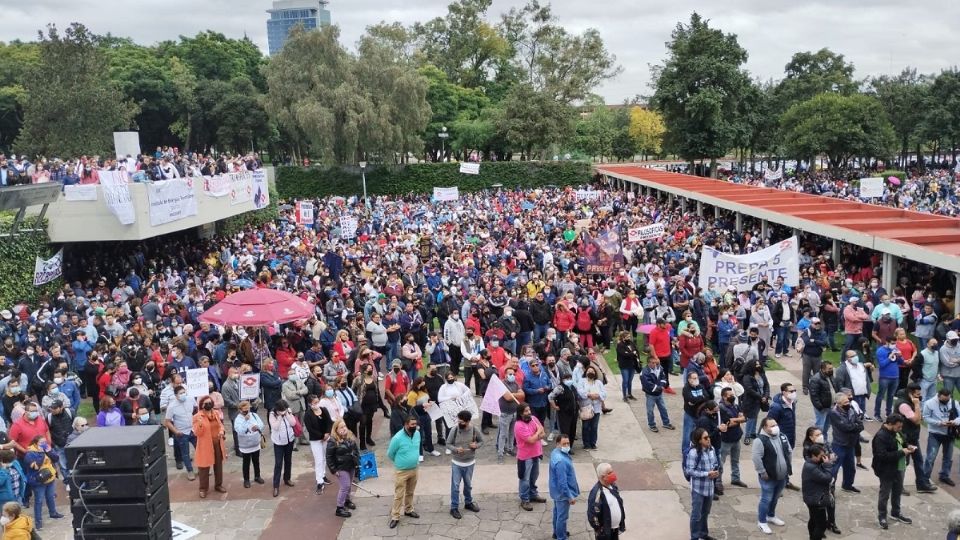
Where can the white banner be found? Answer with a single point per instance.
(77, 192)
(197, 382)
(491, 398)
(126, 143)
(171, 200)
(348, 227)
(453, 407)
(871, 188)
(650, 232)
(446, 193)
(588, 195)
(305, 213)
(771, 174)
(241, 187)
(45, 271)
(250, 386)
(719, 270)
(470, 168)
(116, 192)
(217, 186)
(261, 189)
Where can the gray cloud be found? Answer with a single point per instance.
(878, 36)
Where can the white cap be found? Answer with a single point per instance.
(952, 335)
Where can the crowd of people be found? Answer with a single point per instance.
(429, 297)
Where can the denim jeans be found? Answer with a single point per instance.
(539, 331)
(528, 480)
(886, 388)
(590, 431)
(465, 475)
(928, 389)
(183, 443)
(934, 443)
(689, 424)
(846, 458)
(561, 511)
(770, 491)
(62, 464)
(626, 385)
(41, 493)
(783, 340)
(282, 462)
(661, 405)
(699, 515)
(951, 384)
(731, 449)
(750, 428)
(822, 421)
(505, 439)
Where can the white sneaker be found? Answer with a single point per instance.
(434, 453)
(765, 528)
(550, 437)
(169, 441)
(421, 459)
(776, 355)
(379, 377)
(776, 521)
(543, 443)
(447, 452)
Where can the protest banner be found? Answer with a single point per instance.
(45, 271)
(871, 188)
(116, 193)
(197, 382)
(434, 412)
(261, 190)
(588, 195)
(77, 192)
(491, 398)
(217, 186)
(446, 193)
(241, 187)
(771, 174)
(603, 253)
(171, 200)
(304, 213)
(650, 232)
(126, 143)
(250, 386)
(453, 407)
(470, 168)
(348, 227)
(720, 270)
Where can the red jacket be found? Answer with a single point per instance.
(659, 339)
(689, 346)
(285, 357)
(563, 320)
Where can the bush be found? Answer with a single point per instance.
(312, 182)
(17, 256)
(890, 172)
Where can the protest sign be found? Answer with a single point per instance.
(720, 270)
(581, 224)
(588, 195)
(241, 187)
(446, 193)
(126, 143)
(771, 174)
(604, 254)
(470, 168)
(650, 232)
(304, 213)
(197, 382)
(217, 186)
(491, 398)
(261, 190)
(348, 227)
(45, 271)
(77, 192)
(434, 412)
(871, 188)
(250, 386)
(453, 407)
(116, 192)
(171, 200)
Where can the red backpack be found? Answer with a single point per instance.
(584, 322)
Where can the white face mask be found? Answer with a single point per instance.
(819, 439)
(4, 520)
(774, 431)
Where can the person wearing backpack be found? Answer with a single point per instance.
(463, 440)
(701, 468)
(584, 326)
(41, 477)
(810, 344)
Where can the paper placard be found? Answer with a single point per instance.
(451, 408)
(77, 192)
(241, 187)
(250, 386)
(348, 227)
(116, 192)
(434, 412)
(871, 188)
(650, 232)
(446, 193)
(197, 382)
(470, 168)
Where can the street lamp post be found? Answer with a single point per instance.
(363, 175)
(443, 147)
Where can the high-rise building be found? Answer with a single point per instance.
(286, 14)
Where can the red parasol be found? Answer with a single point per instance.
(646, 328)
(893, 180)
(258, 307)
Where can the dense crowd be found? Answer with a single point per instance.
(430, 300)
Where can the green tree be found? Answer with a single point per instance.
(942, 113)
(71, 108)
(904, 98)
(699, 89)
(456, 108)
(840, 127)
(595, 131)
(811, 73)
(16, 59)
(213, 56)
(532, 121)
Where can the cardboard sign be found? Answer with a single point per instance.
(250, 386)
(470, 168)
(451, 408)
(197, 382)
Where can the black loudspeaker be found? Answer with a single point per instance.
(118, 484)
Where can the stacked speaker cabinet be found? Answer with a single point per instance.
(118, 484)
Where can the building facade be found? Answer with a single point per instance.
(286, 14)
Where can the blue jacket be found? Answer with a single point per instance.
(563, 479)
(651, 383)
(532, 385)
(80, 351)
(786, 417)
(72, 391)
(726, 330)
(888, 364)
(270, 383)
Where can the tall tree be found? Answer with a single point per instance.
(71, 107)
(15, 60)
(904, 98)
(647, 129)
(213, 56)
(533, 121)
(596, 130)
(942, 122)
(812, 73)
(699, 88)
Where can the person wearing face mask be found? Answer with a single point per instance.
(528, 434)
(210, 448)
(564, 488)
(293, 391)
(318, 423)
(847, 426)
(343, 458)
(605, 511)
(283, 434)
(12, 395)
(132, 404)
(942, 415)
(822, 388)
(592, 393)
(41, 475)
(950, 361)
(178, 418)
(928, 367)
(404, 452)
(761, 319)
(463, 439)
(110, 415)
(856, 375)
(771, 454)
(890, 453)
(783, 409)
(230, 391)
(564, 401)
(418, 401)
(453, 334)
(249, 429)
(16, 525)
(817, 495)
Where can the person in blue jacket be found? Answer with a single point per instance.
(564, 489)
(13, 483)
(889, 361)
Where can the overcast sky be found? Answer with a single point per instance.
(878, 36)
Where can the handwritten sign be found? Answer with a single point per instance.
(451, 408)
(197, 382)
(250, 386)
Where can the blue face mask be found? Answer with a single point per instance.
(328, 392)
(511, 378)
(565, 449)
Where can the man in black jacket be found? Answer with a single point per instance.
(605, 513)
(821, 395)
(847, 426)
(890, 453)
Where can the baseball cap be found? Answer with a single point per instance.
(815, 320)
(952, 335)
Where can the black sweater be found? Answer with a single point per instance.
(318, 425)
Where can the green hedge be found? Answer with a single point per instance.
(256, 218)
(890, 172)
(17, 257)
(309, 182)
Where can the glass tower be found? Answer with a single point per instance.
(286, 14)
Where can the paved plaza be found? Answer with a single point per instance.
(655, 494)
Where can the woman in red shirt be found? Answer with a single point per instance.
(563, 320)
(908, 351)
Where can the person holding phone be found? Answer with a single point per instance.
(890, 452)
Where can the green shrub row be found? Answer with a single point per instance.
(891, 172)
(17, 257)
(318, 181)
(256, 218)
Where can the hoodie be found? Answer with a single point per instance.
(950, 360)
